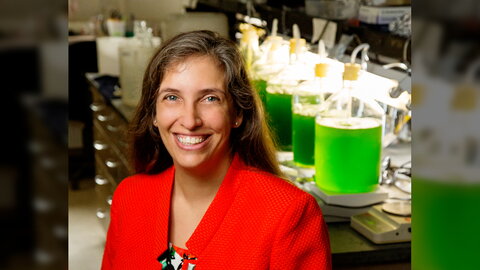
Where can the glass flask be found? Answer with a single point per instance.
(306, 101)
(279, 111)
(273, 59)
(446, 180)
(278, 99)
(348, 138)
(261, 75)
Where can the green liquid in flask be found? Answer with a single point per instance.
(303, 137)
(347, 156)
(279, 109)
(261, 87)
(445, 224)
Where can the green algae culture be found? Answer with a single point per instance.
(347, 154)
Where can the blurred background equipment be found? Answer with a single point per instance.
(33, 169)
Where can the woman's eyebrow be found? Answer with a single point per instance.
(201, 92)
(168, 90)
(212, 90)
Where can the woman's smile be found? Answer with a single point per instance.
(191, 142)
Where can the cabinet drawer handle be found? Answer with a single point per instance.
(111, 163)
(100, 180)
(109, 200)
(99, 145)
(97, 106)
(101, 213)
(103, 117)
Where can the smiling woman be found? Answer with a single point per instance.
(194, 116)
(208, 192)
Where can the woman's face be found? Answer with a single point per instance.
(193, 114)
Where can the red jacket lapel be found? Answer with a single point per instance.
(217, 210)
(163, 192)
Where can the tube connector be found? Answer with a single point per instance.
(364, 48)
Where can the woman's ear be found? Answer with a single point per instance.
(238, 121)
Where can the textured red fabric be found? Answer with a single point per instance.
(256, 221)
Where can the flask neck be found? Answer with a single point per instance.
(350, 84)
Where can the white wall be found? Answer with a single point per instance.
(154, 10)
(150, 10)
(84, 10)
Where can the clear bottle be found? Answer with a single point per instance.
(348, 138)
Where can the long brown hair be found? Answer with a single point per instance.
(251, 140)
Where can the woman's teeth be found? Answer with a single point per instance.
(187, 140)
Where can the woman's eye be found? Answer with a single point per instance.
(171, 98)
(212, 99)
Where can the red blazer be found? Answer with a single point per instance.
(256, 221)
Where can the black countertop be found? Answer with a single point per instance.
(351, 248)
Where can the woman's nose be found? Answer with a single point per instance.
(190, 117)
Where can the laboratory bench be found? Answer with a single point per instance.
(110, 121)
